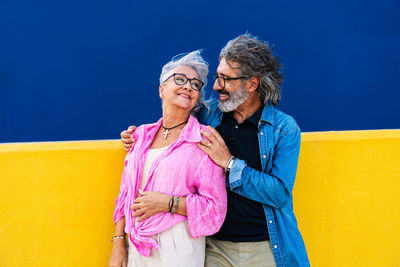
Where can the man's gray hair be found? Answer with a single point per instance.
(256, 59)
(194, 61)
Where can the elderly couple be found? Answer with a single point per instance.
(231, 181)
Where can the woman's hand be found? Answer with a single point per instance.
(118, 254)
(149, 203)
(127, 137)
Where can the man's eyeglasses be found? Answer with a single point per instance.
(181, 79)
(222, 80)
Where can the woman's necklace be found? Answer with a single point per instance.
(166, 132)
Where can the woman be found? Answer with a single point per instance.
(172, 194)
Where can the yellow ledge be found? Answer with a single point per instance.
(57, 200)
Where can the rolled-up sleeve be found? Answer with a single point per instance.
(121, 198)
(206, 209)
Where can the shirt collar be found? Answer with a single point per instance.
(253, 119)
(256, 116)
(268, 114)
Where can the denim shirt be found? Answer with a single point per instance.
(279, 140)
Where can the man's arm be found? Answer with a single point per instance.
(273, 188)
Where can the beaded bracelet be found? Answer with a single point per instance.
(117, 237)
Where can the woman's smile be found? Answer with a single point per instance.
(185, 95)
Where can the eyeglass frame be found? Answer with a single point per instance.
(217, 77)
(187, 79)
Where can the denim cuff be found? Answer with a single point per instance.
(235, 174)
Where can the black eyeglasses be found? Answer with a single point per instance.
(181, 79)
(222, 80)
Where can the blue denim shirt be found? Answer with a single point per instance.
(279, 140)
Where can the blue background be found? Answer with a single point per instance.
(74, 70)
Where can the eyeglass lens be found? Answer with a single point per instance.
(221, 80)
(181, 79)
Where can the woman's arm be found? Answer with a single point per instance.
(118, 254)
(150, 203)
(206, 209)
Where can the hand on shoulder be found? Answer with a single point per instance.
(127, 137)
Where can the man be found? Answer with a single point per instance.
(259, 147)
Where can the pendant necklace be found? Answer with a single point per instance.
(166, 132)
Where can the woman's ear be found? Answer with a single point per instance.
(160, 90)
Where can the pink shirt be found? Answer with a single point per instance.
(184, 170)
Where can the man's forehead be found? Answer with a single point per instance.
(228, 69)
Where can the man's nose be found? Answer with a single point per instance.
(216, 86)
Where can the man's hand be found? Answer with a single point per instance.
(214, 145)
(127, 138)
(149, 203)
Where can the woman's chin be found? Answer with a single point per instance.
(184, 105)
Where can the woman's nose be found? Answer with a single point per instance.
(187, 86)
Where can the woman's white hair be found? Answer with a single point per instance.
(194, 61)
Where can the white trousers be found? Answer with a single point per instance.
(176, 248)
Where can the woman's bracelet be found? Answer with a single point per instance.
(175, 208)
(118, 237)
(229, 164)
(171, 204)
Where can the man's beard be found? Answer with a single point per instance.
(235, 99)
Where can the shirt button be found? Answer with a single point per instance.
(262, 133)
(264, 156)
(236, 126)
(270, 221)
(275, 246)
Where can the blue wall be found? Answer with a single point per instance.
(87, 69)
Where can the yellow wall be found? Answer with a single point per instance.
(57, 200)
(347, 197)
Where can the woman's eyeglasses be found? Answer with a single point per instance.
(181, 79)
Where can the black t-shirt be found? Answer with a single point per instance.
(245, 219)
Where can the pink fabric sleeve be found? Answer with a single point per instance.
(123, 191)
(121, 198)
(206, 210)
